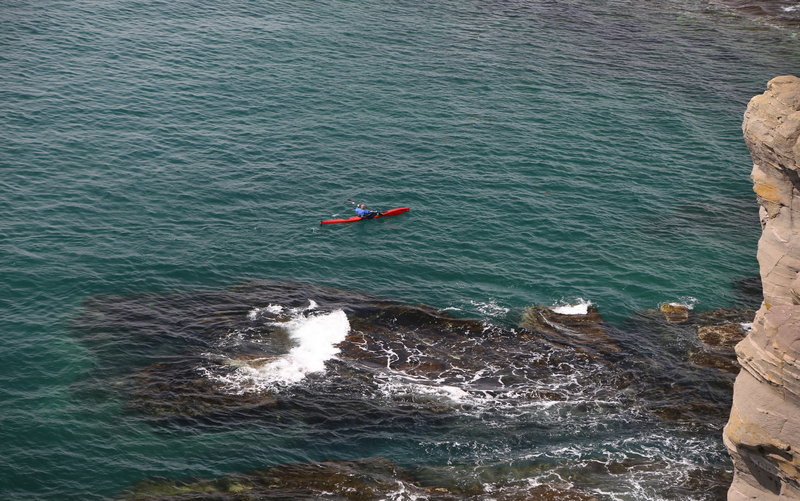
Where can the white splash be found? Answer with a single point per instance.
(490, 309)
(270, 308)
(315, 337)
(275, 309)
(688, 301)
(427, 391)
(580, 307)
(790, 8)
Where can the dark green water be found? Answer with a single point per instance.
(550, 151)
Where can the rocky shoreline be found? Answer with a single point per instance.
(763, 432)
(558, 378)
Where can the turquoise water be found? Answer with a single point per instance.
(550, 151)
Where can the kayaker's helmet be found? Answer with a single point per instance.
(362, 206)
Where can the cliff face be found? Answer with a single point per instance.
(763, 432)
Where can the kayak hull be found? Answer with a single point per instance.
(390, 212)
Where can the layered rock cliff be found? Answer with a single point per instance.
(763, 432)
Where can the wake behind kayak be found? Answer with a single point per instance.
(390, 212)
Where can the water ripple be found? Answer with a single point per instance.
(548, 150)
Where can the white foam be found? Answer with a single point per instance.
(490, 309)
(403, 494)
(398, 385)
(580, 307)
(687, 301)
(315, 338)
(790, 8)
(270, 308)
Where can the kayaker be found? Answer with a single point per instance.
(364, 213)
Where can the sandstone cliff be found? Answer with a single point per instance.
(763, 432)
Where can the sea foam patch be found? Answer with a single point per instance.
(276, 309)
(273, 309)
(579, 306)
(425, 392)
(688, 302)
(490, 308)
(315, 338)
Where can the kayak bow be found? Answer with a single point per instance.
(390, 212)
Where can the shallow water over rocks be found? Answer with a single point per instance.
(570, 401)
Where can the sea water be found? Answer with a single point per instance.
(553, 153)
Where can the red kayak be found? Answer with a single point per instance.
(390, 212)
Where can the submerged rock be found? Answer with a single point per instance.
(581, 330)
(218, 356)
(465, 388)
(674, 389)
(358, 480)
(706, 337)
(724, 362)
(174, 389)
(723, 336)
(254, 352)
(718, 342)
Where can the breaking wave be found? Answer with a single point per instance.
(313, 337)
(578, 307)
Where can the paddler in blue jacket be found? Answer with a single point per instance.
(364, 213)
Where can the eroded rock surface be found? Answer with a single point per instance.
(763, 432)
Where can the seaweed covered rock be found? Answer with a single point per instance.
(674, 312)
(370, 479)
(706, 338)
(581, 329)
(718, 342)
(353, 480)
(723, 336)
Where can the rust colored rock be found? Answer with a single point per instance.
(674, 313)
(721, 336)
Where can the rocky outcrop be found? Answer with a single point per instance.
(674, 313)
(763, 432)
(583, 331)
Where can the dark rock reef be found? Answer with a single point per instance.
(359, 480)
(202, 360)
